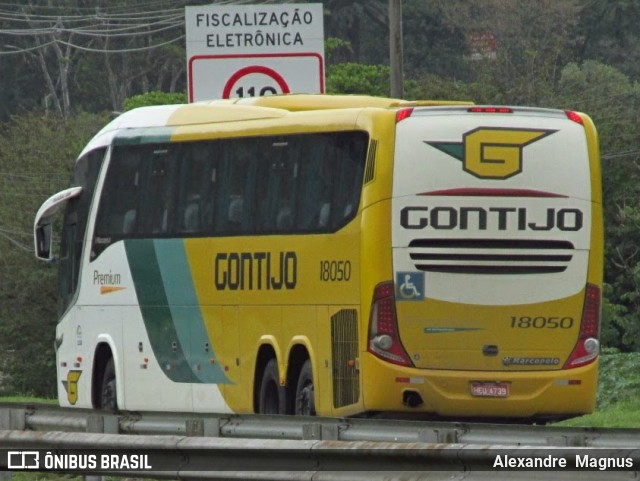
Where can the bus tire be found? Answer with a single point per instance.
(272, 398)
(108, 392)
(305, 394)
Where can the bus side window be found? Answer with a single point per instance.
(119, 198)
(196, 189)
(324, 214)
(236, 195)
(314, 181)
(85, 174)
(278, 210)
(236, 208)
(349, 168)
(129, 221)
(158, 195)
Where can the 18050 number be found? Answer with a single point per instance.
(541, 322)
(335, 271)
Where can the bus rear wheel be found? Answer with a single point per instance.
(305, 396)
(108, 397)
(272, 399)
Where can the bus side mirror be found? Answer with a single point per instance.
(43, 225)
(44, 241)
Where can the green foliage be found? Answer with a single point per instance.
(611, 99)
(609, 33)
(618, 385)
(438, 88)
(619, 378)
(37, 152)
(434, 46)
(336, 50)
(353, 78)
(48, 476)
(154, 98)
(625, 414)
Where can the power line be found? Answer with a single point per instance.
(621, 154)
(120, 50)
(99, 24)
(15, 242)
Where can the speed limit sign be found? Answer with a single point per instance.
(232, 76)
(255, 81)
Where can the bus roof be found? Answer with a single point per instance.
(304, 102)
(253, 108)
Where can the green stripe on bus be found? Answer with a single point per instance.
(138, 136)
(185, 310)
(157, 317)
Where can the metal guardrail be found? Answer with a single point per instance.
(43, 417)
(227, 447)
(195, 458)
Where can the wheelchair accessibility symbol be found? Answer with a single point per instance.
(410, 286)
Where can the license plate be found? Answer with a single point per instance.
(489, 389)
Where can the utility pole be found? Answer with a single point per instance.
(395, 48)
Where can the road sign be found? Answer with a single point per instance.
(254, 50)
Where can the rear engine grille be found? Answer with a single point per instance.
(370, 170)
(491, 256)
(344, 350)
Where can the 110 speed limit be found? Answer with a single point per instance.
(255, 81)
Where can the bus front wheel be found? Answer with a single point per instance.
(108, 398)
(272, 399)
(305, 396)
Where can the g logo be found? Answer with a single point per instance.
(492, 153)
(71, 386)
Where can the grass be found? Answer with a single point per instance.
(26, 399)
(623, 414)
(618, 404)
(28, 476)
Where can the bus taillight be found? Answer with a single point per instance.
(384, 339)
(490, 110)
(403, 114)
(574, 116)
(588, 345)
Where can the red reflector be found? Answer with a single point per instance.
(574, 116)
(574, 382)
(587, 347)
(403, 114)
(404, 380)
(591, 314)
(490, 110)
(382, 290)
(384, 338)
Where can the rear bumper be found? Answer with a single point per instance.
(532, 394)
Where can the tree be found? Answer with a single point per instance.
(608, 33)
(533, 41)
(363, 24)
(353, 78)
(154, 98)
(97, 55)
(37, 153)
(433, 45)
(611, 99)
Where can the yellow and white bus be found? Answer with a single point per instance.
(338, 255)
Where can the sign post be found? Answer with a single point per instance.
(254, 50)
